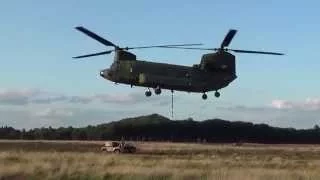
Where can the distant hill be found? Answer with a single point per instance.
(148, 119)
(155, 127)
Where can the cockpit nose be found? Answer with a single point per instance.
(106, 73)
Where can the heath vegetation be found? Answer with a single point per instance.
(83, 160)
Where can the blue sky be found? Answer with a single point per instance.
(38, 40)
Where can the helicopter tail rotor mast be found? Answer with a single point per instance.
(225, 43)
(108, 43)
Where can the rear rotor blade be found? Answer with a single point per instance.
(228, 38)
(162, 46)
(174, 47)
(218, 49)
(94, 54)
(255, 52)
(95, 36)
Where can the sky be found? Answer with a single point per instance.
(41, 85)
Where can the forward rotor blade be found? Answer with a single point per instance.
(255, 52)
(94, 54)
(228, 38)
(163, 46)
(95, 36)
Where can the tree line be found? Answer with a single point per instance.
(158, 128)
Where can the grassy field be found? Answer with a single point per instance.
(83, 160)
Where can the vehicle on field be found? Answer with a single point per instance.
(118, 147)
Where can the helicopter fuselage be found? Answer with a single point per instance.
(215, 70)
(166, 76)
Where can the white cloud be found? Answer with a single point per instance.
(37, 108)
(14, 97)
(280, 113)
(35, 117)
(308, 104)
(25, 97)
(53, 112)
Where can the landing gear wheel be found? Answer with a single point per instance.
(204, 96)
(157, 91)
(217, 94)
(148, 93)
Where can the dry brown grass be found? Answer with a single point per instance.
(158, 161)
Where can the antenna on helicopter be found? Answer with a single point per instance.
(108, 43)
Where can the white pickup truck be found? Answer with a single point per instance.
(118, 147)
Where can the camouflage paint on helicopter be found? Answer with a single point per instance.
(214, 72)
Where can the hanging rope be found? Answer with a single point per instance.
(172, 104)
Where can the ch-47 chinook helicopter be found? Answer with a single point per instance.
(214, 72)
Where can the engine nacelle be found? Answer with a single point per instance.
(218, 62)
(124, 55)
